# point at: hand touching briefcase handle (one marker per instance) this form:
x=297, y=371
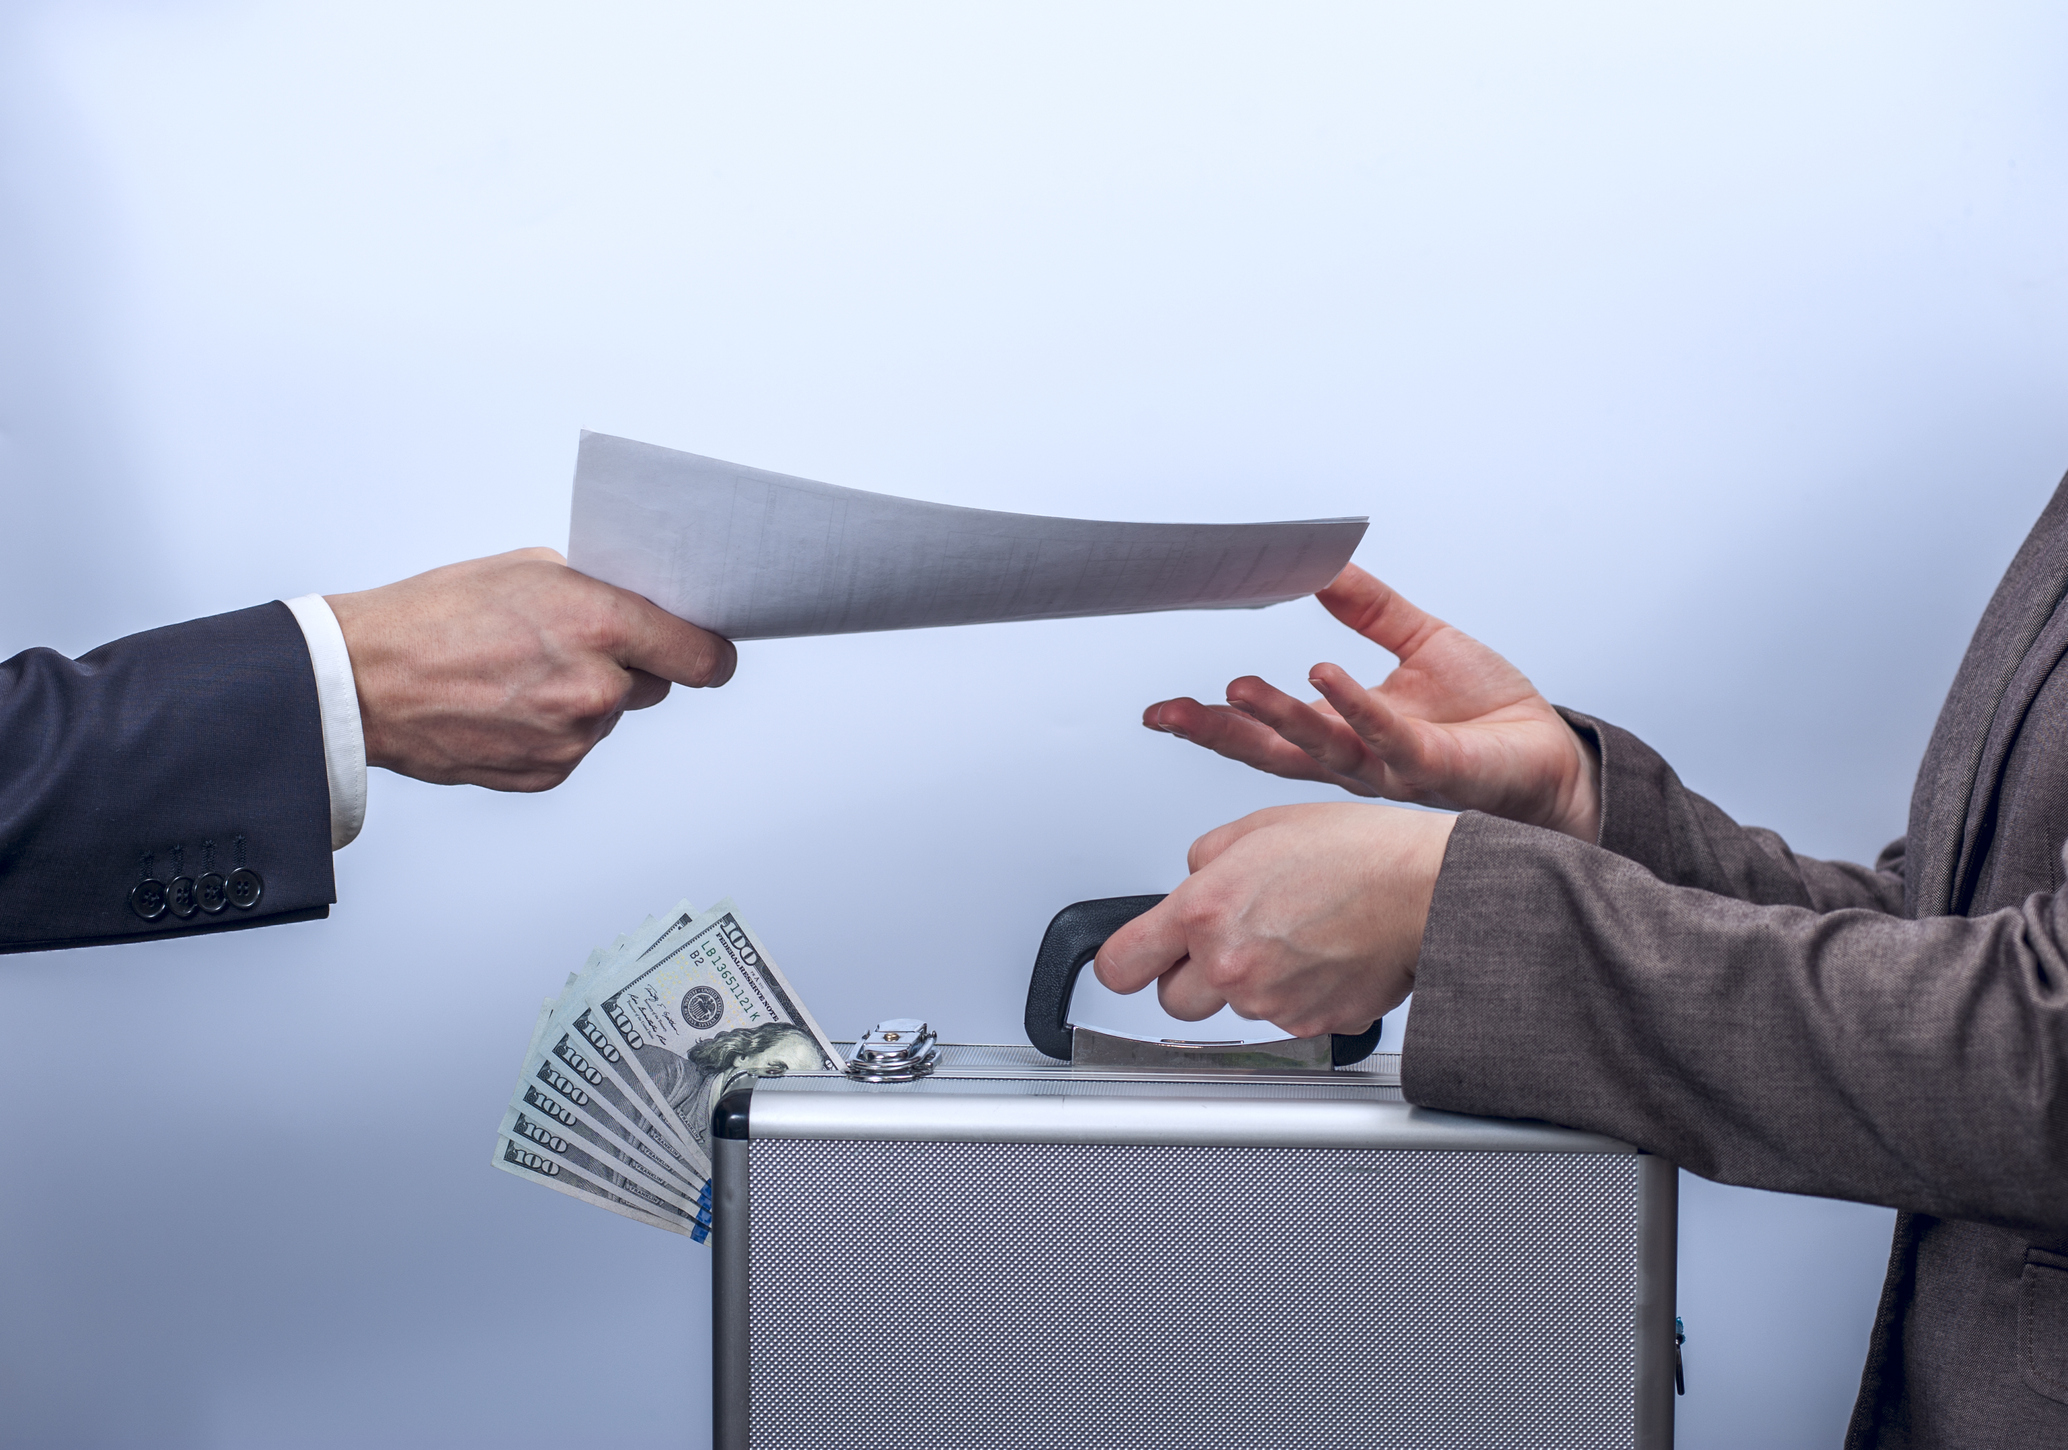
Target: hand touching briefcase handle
x=1074, y=937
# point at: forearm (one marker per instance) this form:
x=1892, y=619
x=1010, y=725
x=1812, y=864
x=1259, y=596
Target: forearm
x=178, y=754
x=1849, y=1054
x=1649, y=817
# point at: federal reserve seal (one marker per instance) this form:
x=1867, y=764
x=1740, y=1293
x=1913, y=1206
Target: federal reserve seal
x=702, y=1007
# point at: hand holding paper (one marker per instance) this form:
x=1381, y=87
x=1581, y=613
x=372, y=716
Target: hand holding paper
x=505, y=671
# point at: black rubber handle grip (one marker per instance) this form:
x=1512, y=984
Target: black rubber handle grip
x=1074, y=938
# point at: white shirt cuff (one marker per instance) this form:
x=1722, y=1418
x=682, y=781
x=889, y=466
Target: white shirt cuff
x=337, y=702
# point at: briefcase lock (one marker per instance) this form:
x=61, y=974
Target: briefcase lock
x=897, y=1049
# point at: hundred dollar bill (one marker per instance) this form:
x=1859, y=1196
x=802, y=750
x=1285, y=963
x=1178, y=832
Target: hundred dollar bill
x=527, y=1147
x=591, y=1036
x=571, y=1054
x=549, y=1090
x=564, y=1080
x=655, y=939
x=625, y=1066
x=599, y=1154
x=551, y=1086
x=537, y=1137
x=691, y=1023
x=539, y=1167
x=572, y=1044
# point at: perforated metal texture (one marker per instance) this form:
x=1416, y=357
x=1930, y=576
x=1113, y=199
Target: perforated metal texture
x=974, y=1296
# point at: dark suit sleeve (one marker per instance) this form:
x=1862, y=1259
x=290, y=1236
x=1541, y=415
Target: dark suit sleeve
x=1847, y=1052
x=181, y=756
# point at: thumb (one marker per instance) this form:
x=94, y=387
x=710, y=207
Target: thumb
x=1144, y=949
x=1374, y=610
x=657, y=642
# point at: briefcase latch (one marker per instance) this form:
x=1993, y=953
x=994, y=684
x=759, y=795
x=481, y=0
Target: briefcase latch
x=897, y=1049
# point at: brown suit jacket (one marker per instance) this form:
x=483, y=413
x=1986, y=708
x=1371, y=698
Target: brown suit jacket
x=1896, y=1035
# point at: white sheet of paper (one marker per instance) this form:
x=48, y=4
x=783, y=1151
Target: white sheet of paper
x=756, y=555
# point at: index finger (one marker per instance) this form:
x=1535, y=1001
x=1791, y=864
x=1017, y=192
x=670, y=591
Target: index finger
x=1376, y=611
x=1143, y=950
x=657, y=642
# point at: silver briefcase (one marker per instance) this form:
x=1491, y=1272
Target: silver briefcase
x=1180, y=1246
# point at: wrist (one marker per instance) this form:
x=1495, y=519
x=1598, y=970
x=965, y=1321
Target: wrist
x=1579, y=814
x=372, y=668
x=337, y=705
x=1408, y=876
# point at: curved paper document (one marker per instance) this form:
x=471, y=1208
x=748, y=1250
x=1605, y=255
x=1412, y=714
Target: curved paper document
x=755, y=555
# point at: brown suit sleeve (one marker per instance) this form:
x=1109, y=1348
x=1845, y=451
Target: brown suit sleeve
x=1648, y=816
x=1798, y=1037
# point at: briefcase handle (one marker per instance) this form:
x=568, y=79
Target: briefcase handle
x=1074, y=938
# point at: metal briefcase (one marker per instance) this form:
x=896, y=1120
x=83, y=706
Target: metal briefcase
x=1173, y=1245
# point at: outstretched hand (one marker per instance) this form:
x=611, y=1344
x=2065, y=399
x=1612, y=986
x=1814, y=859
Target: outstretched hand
x=1454, y=725
x=505, y=671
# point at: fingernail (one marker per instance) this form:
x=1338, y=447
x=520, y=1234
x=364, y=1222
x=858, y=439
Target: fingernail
x=1245, y=709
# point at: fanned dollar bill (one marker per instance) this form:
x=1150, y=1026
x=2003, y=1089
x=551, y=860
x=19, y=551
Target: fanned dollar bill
x=585, y=1048
x=569, y=1053
x=539, y=1112
x=542, y=1135
x=527, y=1162
x=528, y=1146
x=626, y=1066
x=556, y=1087
x=714, y=1009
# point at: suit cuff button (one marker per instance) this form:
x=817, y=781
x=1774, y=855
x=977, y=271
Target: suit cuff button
x=244, y=888
x=147, y=899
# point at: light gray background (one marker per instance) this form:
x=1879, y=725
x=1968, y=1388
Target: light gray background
x=1706, y=359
